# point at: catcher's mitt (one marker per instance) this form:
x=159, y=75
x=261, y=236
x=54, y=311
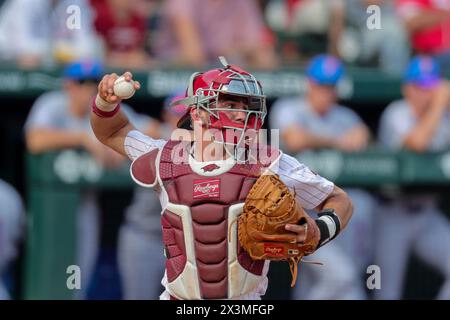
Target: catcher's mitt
x=269, y=206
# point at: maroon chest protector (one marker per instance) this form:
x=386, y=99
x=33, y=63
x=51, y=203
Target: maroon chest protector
x=209, y=199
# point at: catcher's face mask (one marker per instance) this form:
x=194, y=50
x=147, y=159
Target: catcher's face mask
x=233, y=100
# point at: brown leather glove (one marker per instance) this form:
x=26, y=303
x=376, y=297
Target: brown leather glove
x=269, y=206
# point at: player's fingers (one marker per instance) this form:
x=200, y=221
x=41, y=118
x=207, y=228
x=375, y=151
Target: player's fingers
x=281, y=237
x=105, y=83
x=102, y=86
x=137, y=85
x=110, y=84
x=293, y=227
x=128, y=76
x=299, y=230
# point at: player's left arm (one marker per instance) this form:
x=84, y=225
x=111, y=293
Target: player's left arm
x=334, y=214
x=312, y=191
x=340, y=202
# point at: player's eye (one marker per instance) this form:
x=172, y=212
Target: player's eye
x=228, y=106
x=238, y=106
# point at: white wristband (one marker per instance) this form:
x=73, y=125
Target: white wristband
x=104, y=105
x=330, y=224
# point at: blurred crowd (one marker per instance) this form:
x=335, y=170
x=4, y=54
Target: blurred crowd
x=411, y=41
x=255, y=33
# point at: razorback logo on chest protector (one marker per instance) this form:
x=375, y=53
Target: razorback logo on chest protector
x=202, y=262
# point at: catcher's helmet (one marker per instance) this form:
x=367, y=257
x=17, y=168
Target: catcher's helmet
x=206, y=88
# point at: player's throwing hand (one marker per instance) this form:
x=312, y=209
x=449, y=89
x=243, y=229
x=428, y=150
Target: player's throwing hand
x=106, y=87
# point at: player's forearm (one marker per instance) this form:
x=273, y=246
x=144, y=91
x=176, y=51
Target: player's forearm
x=112, y=131
x=421, y=135
x=355, y=139
x=42, y=140
x=342, y=205
x=361, y=133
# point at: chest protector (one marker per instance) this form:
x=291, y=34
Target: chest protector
x=203, y=257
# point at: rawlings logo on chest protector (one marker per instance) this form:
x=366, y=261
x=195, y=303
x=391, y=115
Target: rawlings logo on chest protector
x=206, y=188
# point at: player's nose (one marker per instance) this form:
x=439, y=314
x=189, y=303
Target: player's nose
x=239, y=116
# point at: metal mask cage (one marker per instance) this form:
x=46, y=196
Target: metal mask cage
x=240, y=86
x=231, y=82
x=256, y=106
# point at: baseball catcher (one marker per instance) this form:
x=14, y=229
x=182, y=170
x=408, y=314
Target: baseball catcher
x=215, y=171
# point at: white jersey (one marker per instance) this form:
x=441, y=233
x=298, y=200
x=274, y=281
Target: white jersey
x=309, y=188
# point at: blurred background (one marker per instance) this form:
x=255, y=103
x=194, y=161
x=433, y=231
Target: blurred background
x=356, y=88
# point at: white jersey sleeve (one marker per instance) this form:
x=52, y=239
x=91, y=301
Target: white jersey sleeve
x=137, y=143
x=309, y=188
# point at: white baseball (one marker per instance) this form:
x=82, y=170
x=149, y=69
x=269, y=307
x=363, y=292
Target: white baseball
x=124, y=89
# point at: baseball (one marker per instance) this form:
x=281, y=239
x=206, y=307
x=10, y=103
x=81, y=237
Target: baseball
x=124, y=89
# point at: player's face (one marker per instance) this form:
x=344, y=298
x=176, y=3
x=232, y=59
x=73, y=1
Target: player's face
x=419, y=97
x=321, y=97
x=237, y=105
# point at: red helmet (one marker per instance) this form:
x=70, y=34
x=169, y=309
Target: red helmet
x=206, y=88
